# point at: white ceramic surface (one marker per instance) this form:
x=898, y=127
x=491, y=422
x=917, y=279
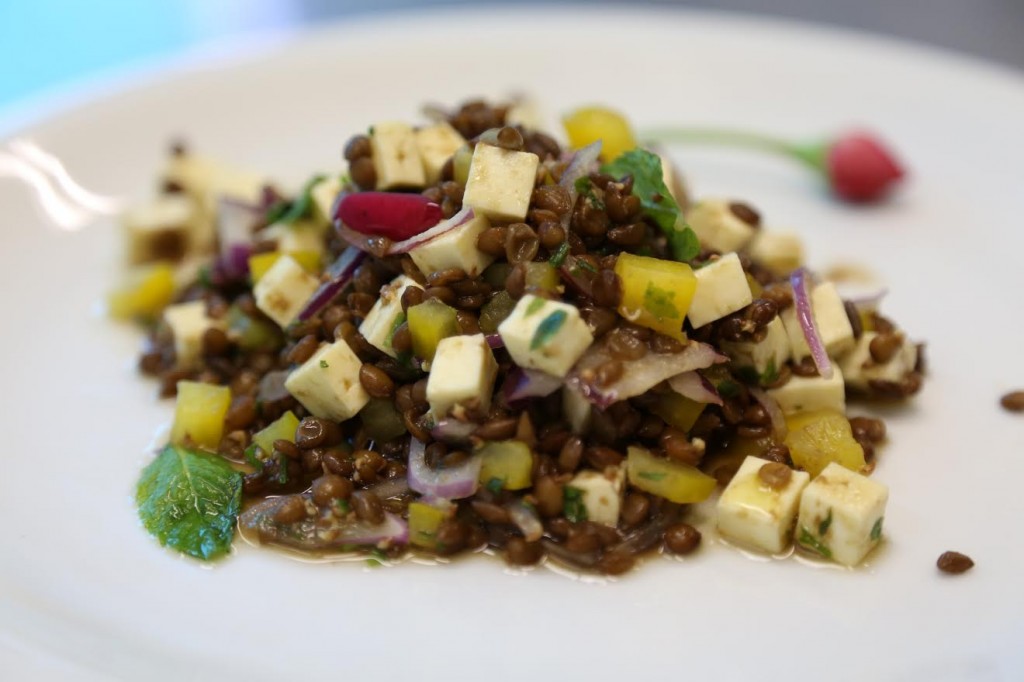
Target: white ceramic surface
x=83, y=588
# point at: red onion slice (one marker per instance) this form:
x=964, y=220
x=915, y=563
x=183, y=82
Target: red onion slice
x=394, y=215
x=394, y=529
x=583, y=163
x=526, y=520
x=640, y=375
x=805, y=316
x=453, y=431
x=771, y=407
x=392, y=487
x=457, y=220
x=696, y=387
x=453, y=483
x=235, y=222
x=495, y=341
x=521, y=384
x=338, y=274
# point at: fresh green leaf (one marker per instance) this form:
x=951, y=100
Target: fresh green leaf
x=323, y=364
x=547, y=329
x=558, y=257
x=190, y=501
x=810, y=542
x=572, y=504
x=342, y=507
x=728, y=388
x=534, y=307
x=659, y=302
x=252, y=457
x=770, y=374
x=747, y=374
x=301, y=207
x=586, y=188
x=825, y=524
x=652, y=475
x=657, y=202
x=876, y=530
x=204, y=278
x=496, y=485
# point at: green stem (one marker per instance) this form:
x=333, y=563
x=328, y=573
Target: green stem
x=812, y=155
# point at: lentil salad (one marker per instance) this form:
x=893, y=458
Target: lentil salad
x=482, y=338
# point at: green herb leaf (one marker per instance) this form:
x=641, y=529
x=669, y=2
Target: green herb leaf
x=572, y=504
x=302, y=206
x=659, y=302
x=586, y=188
x=189, y=501
x=496, y=485
x=534, y=307
x=825, y=524
x=652, y=475
x=656, y=200
x=810, y=542
x=547, y=329
x=746, y=374
x=251, y=456
x=876, y=530
x=728, y=388
x=558, y=257
x=770, y=374
x=342, y=506
x=323, y=364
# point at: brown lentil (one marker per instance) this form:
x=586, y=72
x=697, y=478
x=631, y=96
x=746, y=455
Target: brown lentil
x=678, y=447
x=489, y=512
x=551, y=235
x=519, y=552
x=401, y=342
x=357, y=147
x=338, y=461
x=331, y=487
x=601, y=457
x=492, y=240
x=451, y=537
x=497, y=429
x=287, y=448
x=872, y=430
x=303, y=350
x=215, y=342
x=291, y=510
x=363, y=173
x=885, y=346
x=775, y=475
x=607, y=289
x=571, y=455
x=1013, y=401
x=443, y=294
x=367, y=506
x=376, y=382
x=954, y=563
x=635, y=509
x=745, y=213
x=522, y=243
x=241, y=414
x=314, y=432
x=548, y=492
x=681, y=538
x=616, y=562
x=411, y=296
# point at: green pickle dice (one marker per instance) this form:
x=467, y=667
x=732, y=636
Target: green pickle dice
x=429, y=322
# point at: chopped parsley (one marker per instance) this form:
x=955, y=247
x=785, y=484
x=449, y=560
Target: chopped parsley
x=342, y=507
x=547, y=329
x=580, y=264
x=825, y=524
x=558, y=257
x=728, y=388
x=323, y=364
x=534, y=307
x=377, y=558
x=814, y=544
x=290, y=212
x=876, y=530
x=586, y=188
x=659, y=302
x=495, y=485
x=770, y=374
x=572, y=504
x=652, y=475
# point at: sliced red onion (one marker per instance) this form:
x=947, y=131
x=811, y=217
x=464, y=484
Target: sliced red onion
x=521, y=384
x=526, y=520
x=583, y=163
x=394, y=215
x=457, y=220
x=394, y=529
x=805, y=316
x=453, y=431
x=235, y=222
x=771, y=407
x=326, y=531
x=696, y=387
x=578, y=277
x=378, y=246
x=495, y=341
x=272, y=388
x=339, y=274
x=640, y=375
x=391, y=487
x=453, y=483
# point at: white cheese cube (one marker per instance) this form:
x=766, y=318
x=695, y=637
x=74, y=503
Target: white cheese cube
x=601, y=493
x=546, y=335
x=805, y=394
x=781, y=252
x=718, y=228
x=324, y=194
x=436, y=144
x=300, y=236
x=328, y=383
x=754, y=514
x=830, y=318
x=455, y=248
x=395, y=156
x=501, y=182
x=160, y=229
x=841, y=515
x=722, y=289
x=860, y=369
x=188, y=323
x=527, y=114
x=461, y=375
x=283, y=291
x=386, y=315
x=766, y=356
x=576, y=410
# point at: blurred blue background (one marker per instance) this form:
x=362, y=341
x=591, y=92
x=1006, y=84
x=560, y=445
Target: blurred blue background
x=49, y=43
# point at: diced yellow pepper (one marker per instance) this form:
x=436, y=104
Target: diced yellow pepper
x=429, y=322
x=542, y=275
x=755, y=286
x=261, y=262
x=656, y=293
x=199, y=414
x=461, y=161
x=676, y=482
x=677, y=410
x=509, y=461
x=253, y=333
x=590, y=124
x=424, y=520
x=145, y=295
x=283, y=428
x=816, y=439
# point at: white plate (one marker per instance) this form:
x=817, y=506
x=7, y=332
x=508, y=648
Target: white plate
x=82, y=584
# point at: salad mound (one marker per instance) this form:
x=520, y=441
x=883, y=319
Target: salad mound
x=478, y=337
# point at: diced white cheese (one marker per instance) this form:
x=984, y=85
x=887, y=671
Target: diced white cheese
x=526, y=113
x=546, y=335
x=501, y=182
x=718, y=227
x=324, y=193
x=328, y=383
x=830, y=318
x=805, y=394
x=455, y=248
x=301, y=236
x=722, y=289
x=436, y=144
x=766, y=356
x=386, y=315
x=461, y=375
x=860, y=369
x=576, y=410
x=188, y=323
x=841, y=515
x=754, y=514
x=160, y=229
x=284, y=289
x=601, y=493
x=396, y=159
x=779, y=251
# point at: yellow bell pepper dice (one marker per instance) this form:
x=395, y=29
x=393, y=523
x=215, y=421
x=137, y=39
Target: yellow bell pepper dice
x=677, y=410
x=818, y=438
x=676, y=482
x=509, y=461
x=145, y=294
x=424, y=520
x=656, y=293
x=590, y=124
x=199, y=414
x=429, y=323
x=261, y=262
x=283, y=428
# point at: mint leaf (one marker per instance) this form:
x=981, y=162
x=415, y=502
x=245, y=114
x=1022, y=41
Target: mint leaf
x=876, y=530
x=189, y=501
x=547, y=329
x=558, y=257
x=284, y=212
x=658, y=204
x=572, y=504
x=659, y=302
x=825, y=524
x=813, y=543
